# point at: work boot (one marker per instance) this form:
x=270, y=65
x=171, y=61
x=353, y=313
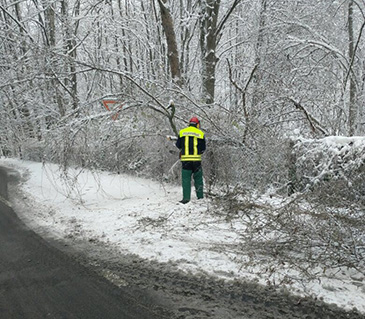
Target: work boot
x=184, y=201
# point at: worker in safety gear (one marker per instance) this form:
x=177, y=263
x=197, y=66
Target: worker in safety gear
x=191, y=142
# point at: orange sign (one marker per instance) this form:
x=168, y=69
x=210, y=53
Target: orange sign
x=109, y=105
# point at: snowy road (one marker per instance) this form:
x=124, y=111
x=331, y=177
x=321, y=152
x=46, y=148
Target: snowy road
x=39, y=281
x=160, y=286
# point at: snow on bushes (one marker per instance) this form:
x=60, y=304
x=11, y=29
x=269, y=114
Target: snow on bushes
x=332, y=168
x=319, y=230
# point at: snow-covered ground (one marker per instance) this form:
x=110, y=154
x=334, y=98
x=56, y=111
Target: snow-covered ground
x=143, y=217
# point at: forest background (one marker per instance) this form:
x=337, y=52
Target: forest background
x=270, y=81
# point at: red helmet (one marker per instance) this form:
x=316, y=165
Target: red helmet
x=194, y=120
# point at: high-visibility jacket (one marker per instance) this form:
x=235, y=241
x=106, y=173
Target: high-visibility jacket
x=191, y=142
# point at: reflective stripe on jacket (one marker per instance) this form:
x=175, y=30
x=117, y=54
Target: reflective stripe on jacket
x=191, y=141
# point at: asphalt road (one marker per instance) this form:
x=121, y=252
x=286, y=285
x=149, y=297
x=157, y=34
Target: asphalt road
x=39, y=281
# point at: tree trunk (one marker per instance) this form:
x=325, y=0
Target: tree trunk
x=210, y=33
x=27, y=124
x=172, y=51
x=208, y=44
x=258, y=53
x=70, y=48
x=292, y=169
x=352, y=87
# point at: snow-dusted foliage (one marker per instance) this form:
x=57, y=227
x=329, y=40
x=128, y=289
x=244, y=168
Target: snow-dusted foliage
x=311, y=238
x=332, y=168
x=320, y=228
x=136, y=143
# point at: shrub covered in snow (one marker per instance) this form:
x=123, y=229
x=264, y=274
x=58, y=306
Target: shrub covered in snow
x=319, y=230
x=332, y=168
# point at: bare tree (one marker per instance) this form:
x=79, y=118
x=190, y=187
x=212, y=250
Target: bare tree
x=210, y=34
x=172, y=52
x=70, y=34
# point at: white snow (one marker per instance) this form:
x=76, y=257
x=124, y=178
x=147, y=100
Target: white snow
x=143, y=217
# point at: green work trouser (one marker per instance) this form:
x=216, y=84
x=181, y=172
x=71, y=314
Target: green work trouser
x=189, y=169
